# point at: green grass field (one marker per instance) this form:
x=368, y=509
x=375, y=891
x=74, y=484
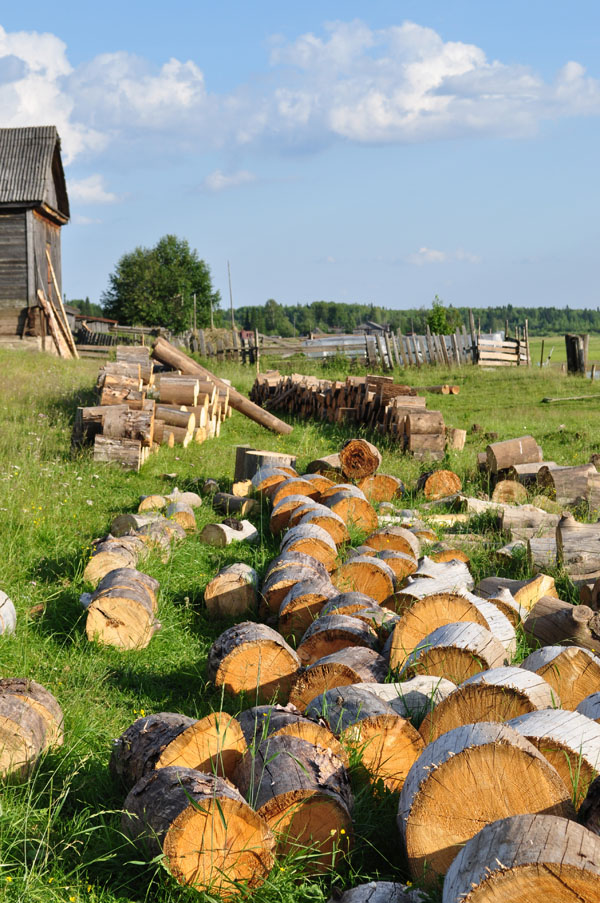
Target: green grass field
x=60, y=837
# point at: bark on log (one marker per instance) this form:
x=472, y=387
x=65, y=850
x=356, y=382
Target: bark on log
x=330, y=466
x=552, y=622
x=578, y=545
x=168, y=354
x=590, y=707
x=388, y=744
x=568, y=485
x=524, y=521
x=412, y=699
x=303, y=793
x=233, y=592
x=313, y=541
x=525, y=592
x=120, y=424
x=347, y=604
x=572, y=671
x=122, y=615
x=214, y=744
x=456, y=652
x=354, y=509
x=332, y=633
x=395, y=539
x=281, y=513
x=307, y=507
x=438, y=484
x=355, y=664
x=294, y=486
x=126, y=452
x=527, y=473
x=541, y=553
x=359, y=459
x=221, y=535
x=558, y=862
x=323, y=517
x=112, y=553
x=320, y=482
x=442, y=804
x=226, y=503
x=23, y=735
x=507, y=604
x=248, y=461
x=287, y=573
x=254, y=659
x=379, y=892
x=365, y=574
x=41, y=701
x=457, y=571
x=183, y=515
x=264, y=721
x=381, y=487
x=210, y=837
x=495, y=695
x=266, y=480
x=402, y=564
x=569, y=741
x=301, y=605
x=502, y=455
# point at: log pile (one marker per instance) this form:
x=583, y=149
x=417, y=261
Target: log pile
x=375, y=402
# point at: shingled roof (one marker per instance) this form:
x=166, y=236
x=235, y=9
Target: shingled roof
x=31, y=171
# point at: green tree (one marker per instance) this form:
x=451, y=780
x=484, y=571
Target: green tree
x=156, y=287
x=442, y=320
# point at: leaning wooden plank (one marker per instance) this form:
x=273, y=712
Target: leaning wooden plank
x=168, y=354
x=201, y=827
x=442, y=804
x=57, y=329
x=64, y=323
x=559, y=861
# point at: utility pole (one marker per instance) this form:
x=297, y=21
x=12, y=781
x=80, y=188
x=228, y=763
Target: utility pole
x=230, y=296
x=195, y=326
x=212, y=321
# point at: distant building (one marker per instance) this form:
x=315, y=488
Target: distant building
x=371, y=328
x=33, y=207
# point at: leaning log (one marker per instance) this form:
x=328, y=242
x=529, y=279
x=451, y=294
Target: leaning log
x=166, y=353
x=209, y=836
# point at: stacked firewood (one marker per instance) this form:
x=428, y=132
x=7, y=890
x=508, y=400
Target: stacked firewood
x=334, y=622
x=375, y=402
x=189, y=409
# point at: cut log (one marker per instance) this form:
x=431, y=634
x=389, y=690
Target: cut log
x=451, y=583
x=233, y=592
x=294, y=486
x=186, y=498
x=509, y=607
x=226, y=503
x=388, y=744
x=455, y=438
x=359, y=459
x=355, y=664
x=456, y=651
x=509, y=492
x=210, y=837
x=282, y=512
x=381, y=487
x=347, y=604
x=334, y=632
x=179, y=390
x=541, y=552
x=456, y=571
x=569, y=741
x=168, y=354
x=320, y=482
x=122, y=614
x=248, y=461
x=221, y=535
x=412, y=699
x=502, y=455
x=301, y=605
x=152, y=503
x=353, y=508
x=125, y=577
x=382, y=620
x=574, y=672
x=330, y=466
x=552, y=622
x=41, y=701
x=442, y=804
x=306, y=507
x=241, y=489
x=264, y=721
x=174, y=416
x=266, y=480
x=23, y=733
x=590, y=707
x=125, y=524
x=215, y=744
x=521, y=522
x=304, y=797
x=496, y=695
x=8, y=615
x=578, y=545
x=325, y=518
x=527, y=473
x=112, y=553
x=525, y=592
x=442, y=555
x=421, y=616
x=438, y=484
x=558, y=862
x=365, y=573
x=379, y=892
x=393, y=538
x=126, y=452
x=280, y=580
x=402, y=564
x=568, y=485
x=183, y=515
x=313, y=541
x=254, y=659
x=127, y=424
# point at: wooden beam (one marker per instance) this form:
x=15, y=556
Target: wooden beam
x=67, y=331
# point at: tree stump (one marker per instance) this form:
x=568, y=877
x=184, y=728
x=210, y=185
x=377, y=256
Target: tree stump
x=210, y=837
x=355, y=664
x=459, y=783
x=252, y=658
x=572, y=671
x=303, y=793
x=30, y=723
x=496, y=695
x=559, y=862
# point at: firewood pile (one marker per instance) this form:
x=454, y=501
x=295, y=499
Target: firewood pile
x=375, y=402
x=308, y=663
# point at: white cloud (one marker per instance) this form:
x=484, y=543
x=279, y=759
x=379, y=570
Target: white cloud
x=91, y=191
x=430, y=255
x=219, y=181
x=79, y=220
x=398, y=84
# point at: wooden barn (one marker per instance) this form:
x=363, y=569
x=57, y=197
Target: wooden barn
x=33, y=207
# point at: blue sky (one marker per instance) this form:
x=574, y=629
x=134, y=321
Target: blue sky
x=382, y=152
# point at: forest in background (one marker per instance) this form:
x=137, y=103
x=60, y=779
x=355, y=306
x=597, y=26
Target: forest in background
x=273, y=318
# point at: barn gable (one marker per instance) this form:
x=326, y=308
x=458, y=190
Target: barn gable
x=31, y=171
